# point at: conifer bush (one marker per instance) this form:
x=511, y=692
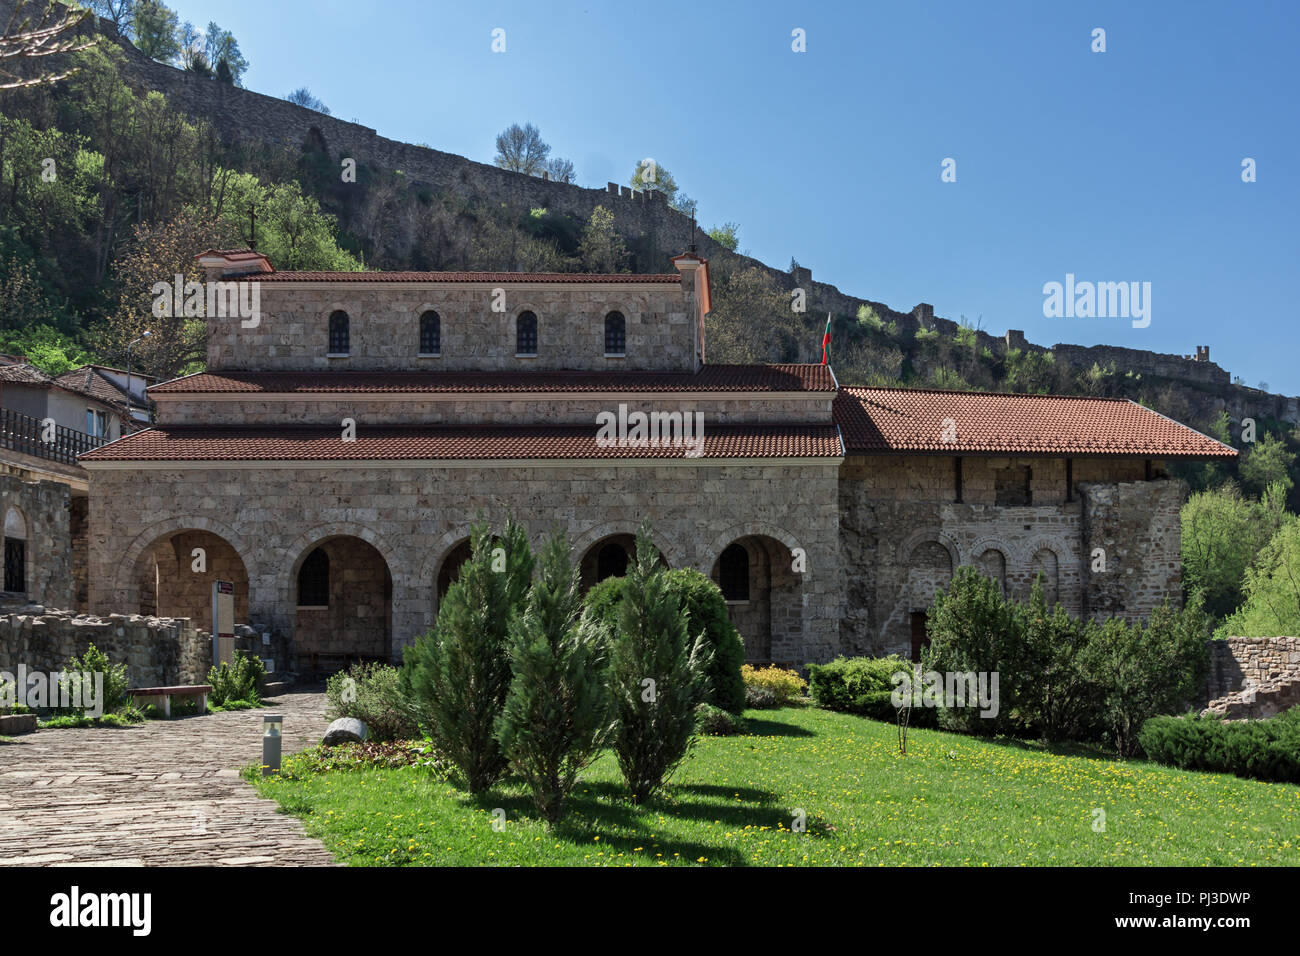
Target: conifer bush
x=557, y=714
x=457, y=676
x=657, y=674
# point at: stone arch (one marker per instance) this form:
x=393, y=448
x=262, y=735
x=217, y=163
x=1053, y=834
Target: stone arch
x=301, y=546
x=1033, y=558
x=588, y=559
x=989, y=556
x=16, y=556
x=924, y=535
x=667, y=546
x=770, y=615
x=356, y=620
x=125, y=593
x=753, y=529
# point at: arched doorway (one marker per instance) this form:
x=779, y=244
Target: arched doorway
x=343, y=599
x=449, y=571
x=757, y=579
x=609, y=557
x=174, y=576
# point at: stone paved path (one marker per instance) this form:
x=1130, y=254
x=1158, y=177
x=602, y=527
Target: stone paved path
x=162, y=793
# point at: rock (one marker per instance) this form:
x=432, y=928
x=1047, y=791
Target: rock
x=345, y=730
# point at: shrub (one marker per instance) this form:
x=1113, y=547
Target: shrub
x=760, y=698
x=388, y=755
x=716, y=722
x=1263, y=749
x=372, y=693
x=785, y=685
x=705, y=611
x=857, y=685
x=240, y=681
x=117, y=687
x=1142, y=672
x=656, y=676
x=457, y=675
x=557, y=713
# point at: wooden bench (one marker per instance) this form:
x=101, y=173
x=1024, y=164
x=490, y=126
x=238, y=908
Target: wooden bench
x=148, y=695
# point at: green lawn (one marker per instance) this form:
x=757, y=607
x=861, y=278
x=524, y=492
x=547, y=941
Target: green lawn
x=952, y=800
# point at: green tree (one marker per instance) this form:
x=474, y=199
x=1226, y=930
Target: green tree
x=725, y=235
x=457, y=675
x=655, y=676
x=650, y=175
x=157, y=31
x=521, y=149
x=1267, y=463
x=1222, y=532
x=1272, y=589
x=557, y=714
x=602, y=249
x=221, y=46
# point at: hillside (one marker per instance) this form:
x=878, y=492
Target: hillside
x=415, y=207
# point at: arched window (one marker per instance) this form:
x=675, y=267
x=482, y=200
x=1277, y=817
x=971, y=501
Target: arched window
x=733, y=573
x=314, y=580
x=611, y=562
x=15, y=552
x=526, y=334
x=430, y=334
x=340, y=339
x=615, y=334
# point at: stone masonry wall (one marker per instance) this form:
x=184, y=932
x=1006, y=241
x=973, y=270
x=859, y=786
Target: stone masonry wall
x=414, y=517
x=293, y=331
x=1136, y=526
x=483, y=409
x=45, y=509
x=903, y=535
x=1237, y=663
x=157, y=652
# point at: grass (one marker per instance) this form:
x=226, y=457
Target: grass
x=953, y=800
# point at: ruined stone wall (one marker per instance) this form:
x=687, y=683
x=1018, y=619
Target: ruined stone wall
x=484, y=410
x=1237, y=663
x=45, y=507
x=293, y=331
x=272, y=517
x=903, y=535
x=157, y=652
x=1136, y=526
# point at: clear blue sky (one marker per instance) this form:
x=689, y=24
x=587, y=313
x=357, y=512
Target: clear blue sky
x=1115, y=166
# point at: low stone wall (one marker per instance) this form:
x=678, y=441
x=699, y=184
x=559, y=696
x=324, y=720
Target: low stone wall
x=157, y=651
x=1239, y=663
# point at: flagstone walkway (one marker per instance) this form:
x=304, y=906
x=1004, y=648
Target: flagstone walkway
x=165, y=793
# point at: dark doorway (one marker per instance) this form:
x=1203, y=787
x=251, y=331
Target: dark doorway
x=919, y=638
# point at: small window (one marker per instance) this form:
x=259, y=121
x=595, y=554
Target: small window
x=340, y=338
x=615, y=334
x=733, y=573
x=96, y=423
x=430, y=334
x=611, y=562
x=526, y=334
x=314, y=580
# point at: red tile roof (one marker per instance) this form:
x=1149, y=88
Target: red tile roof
x=711, y=378
x=452, y=443
x=89, y=381
x=558, y=278
x=913, y=420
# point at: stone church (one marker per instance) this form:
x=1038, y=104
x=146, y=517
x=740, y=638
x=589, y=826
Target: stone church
x=331, y=459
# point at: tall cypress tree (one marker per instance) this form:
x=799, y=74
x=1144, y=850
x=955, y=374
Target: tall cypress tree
x=656, y=675
x=557, y=714
x=458, y=674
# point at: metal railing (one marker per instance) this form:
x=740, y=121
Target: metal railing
x=22, y=433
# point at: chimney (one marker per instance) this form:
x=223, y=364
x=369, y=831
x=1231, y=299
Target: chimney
x=695, y=283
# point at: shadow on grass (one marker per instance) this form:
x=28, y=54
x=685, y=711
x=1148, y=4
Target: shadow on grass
x=1061, y=749
x=765, y=727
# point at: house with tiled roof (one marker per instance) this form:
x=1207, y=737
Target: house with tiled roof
x=350, y=426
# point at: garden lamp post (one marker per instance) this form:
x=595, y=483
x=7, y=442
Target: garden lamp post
x=271, y=739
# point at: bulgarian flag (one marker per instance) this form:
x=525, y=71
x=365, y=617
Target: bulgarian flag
x=826, y=339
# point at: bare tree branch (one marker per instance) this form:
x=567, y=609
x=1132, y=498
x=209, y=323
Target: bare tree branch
x=23, y=40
